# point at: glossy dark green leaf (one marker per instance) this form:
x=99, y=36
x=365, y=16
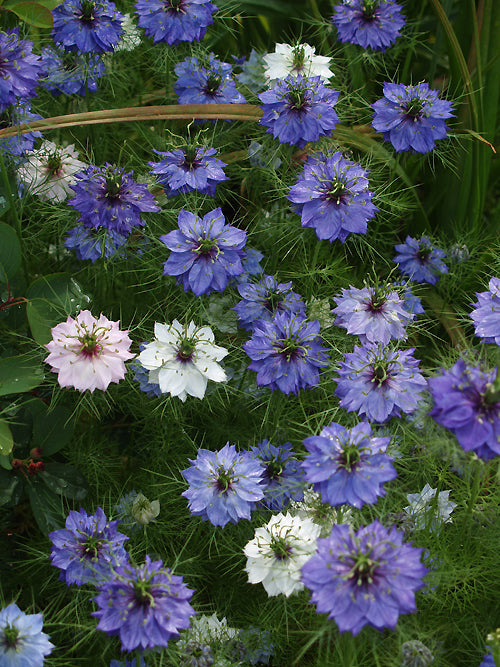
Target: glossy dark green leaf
x=19, y=374
x=31, y=13
x=10, y=487
x=47, y=507
x=52, y=430
x=64, y=480
x=6, y=440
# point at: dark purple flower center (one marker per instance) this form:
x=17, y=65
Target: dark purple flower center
x=350, y=457
x=423, y=254
x=175, y=6
x=290, y=348
x=191, y=159
x=207, y=247
x=414, y=108
x=336, y=192
x=363, y=569
x=143, y=596
x=274, y=469
x=10, y=636
x=54, y=163
x=280, y=548
x=87, y=10
x=369, y=8
x=224, y=480
x=380, y=373
x=273, y=301
x=298, y=99
x=92, y=547
x=212, y=85
x=377, y=300
x=114, y=180
x=186, y=349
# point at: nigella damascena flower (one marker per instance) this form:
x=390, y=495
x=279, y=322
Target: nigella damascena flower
x=374, y=314
x=88, y=353
x=486, y=313
x=145, y=606
x=348, y=466
x=109, y=197
x=175, y=21
x=299, y=109
x=368, y=23
x=88, y=548
x=20, y=69
x=379, y=383
x=283, y=476
x=186, y=169
x=206, y=252
x=182, y=359
x=286, y=353
x=367, y=577
x=429, y=510
x=416, y=654
x=262, y=300
x=411, y=117
x=22, y=143
x=278, y=551
x=88, y=26
x=467, y=402
x=207, y=81
x=294, y=60
x=50, y=170
x=224, y=486
x=332, y=196
x=420, y=260
x=93, y=243
x=22, y=642
x=71, y=72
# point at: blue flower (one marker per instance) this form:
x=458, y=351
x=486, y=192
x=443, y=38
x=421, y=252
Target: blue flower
x=71, y=72
x=374, y=314
x=88, y=548
x=94, y=243
x=368, y=23
x=411, y=302
x=87, y=26
x=286, y=353
x=283, y=477
x=22, y=642
x=262, y=300
x=488, y=661
x=127, y=663
x=175, y=21
x=299, y=109
x=420, y=260
x=379, y=383
x=467, y=402
x=486, y=313
x=348, y=466
x=145, y=606
x=206, y=82
x=15, y=115
x=411, y=117
x=225, y=485
x=188, y=169
x=368, y=577
x=20, y=69
x=332, y=197
x=205, y=252
x=141, y=375
x=108, y=197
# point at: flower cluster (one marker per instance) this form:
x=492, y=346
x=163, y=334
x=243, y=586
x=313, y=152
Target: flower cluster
x=374, y=314
x=486, y=313
x=207, y=82
x=299, y=109
x=87, y=26
x=205, y=253
x=263, y=300
x=348, y=466
x=182, y=359
x=224, y=486
x=188, y=169
x=278, y=551
x=371, y=24
x=145, y=606
x=88, y=548
x=368, y=577
x=294, y=60
x=467, y=402
x=420, y=260
x=22, y=642
x=88, y=353
x=379, y=382
x=332, y=197
x=286, y=353
x=412, y=118
x=175, y=21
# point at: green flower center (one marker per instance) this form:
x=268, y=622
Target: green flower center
x=191, y=157
x=274, y=469
x=92, y=547
x=363, y=569
x=378, y=299
x=413, y=108
x=369, y=9
x=273, y=301
x=90, y=346
x=88, y=7
x=424, y=253
x=380, y=374
x=142, y=590
x=280, y=548
x=212, y=85
x=224, y=479
x=298, y=56
x=176, y=5
x=186, y=348
x=350, y=457
x=297, y=99
x=10, y=634
x=54, y=163
x=288, y=347
x=335, y=191
x=113, y=183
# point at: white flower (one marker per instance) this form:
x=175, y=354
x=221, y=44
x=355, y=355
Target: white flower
x=144, y=510
x=278, y=552
x=425, y=512
x=182, y=359
x=49, y=171
x=296, y=60
x=208, y=629
x=320, y=513
x=131, y=37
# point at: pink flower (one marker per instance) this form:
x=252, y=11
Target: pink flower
x=88, y=353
